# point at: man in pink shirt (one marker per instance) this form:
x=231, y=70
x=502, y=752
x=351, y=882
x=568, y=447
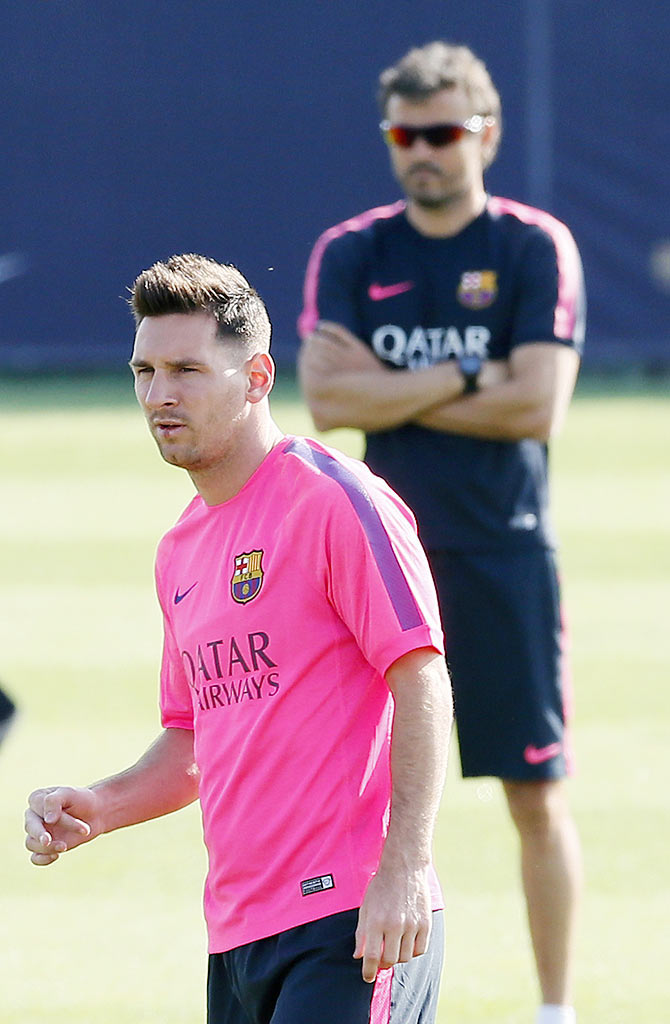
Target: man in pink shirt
x=304, y=694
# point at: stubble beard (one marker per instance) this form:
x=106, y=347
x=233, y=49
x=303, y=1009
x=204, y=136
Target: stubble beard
x=170, y=455
x=194, y=460
x=441, y=200
x=432, y=202
x=175, y=453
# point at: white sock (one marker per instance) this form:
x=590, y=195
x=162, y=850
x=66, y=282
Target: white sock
x=552, y=1014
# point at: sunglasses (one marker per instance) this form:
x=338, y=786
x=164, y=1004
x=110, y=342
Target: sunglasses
x=436, y=135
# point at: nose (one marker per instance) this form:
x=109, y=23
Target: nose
x=157, y=393
x=421, y=147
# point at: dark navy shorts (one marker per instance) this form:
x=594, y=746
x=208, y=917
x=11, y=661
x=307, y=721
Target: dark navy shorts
x=505, y=650
x=307, y=975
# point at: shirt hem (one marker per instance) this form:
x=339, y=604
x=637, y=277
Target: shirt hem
x=220, y=945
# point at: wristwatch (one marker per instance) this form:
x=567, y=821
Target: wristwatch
x=470, y=367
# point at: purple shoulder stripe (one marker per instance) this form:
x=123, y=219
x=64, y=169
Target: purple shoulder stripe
x=396, y=584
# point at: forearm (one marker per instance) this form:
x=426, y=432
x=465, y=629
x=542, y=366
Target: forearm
x=531, y=402
x=503, y=412
x=421, y=732
x=378, y=398
x=163, y=780
x=394, y=921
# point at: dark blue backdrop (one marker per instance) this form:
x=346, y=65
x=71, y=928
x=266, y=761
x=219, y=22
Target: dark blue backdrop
x=135, y=130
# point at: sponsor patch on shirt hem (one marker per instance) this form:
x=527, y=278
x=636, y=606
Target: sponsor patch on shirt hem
x=318, y=884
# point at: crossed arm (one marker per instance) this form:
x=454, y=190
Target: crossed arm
x=526, y=396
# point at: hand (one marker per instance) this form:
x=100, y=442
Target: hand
x=331, y=348
x=58, y=819
x=394, y=921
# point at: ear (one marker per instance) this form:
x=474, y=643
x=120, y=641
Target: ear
x=260, y=377
x=490, y=142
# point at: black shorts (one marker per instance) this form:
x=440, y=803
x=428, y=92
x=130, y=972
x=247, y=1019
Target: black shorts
x=307, y=975
x=505, y=650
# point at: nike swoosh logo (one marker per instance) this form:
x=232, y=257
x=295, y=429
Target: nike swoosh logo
x=538, y=755
x=377, y=292
x=180, y=597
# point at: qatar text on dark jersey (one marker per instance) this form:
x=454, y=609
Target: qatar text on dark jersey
x=513, y=276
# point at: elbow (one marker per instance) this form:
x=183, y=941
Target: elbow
x=318, y=399
x=324, y=414
x=535, y=424
x=547, y=424
x=540, y=420
x=541, y=429
x=327, y=408
x=322, y=420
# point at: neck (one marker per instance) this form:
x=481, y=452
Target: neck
x=449, y=217
x=225, y=479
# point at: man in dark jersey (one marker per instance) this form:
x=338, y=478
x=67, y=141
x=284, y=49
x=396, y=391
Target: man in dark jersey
x=448, y=326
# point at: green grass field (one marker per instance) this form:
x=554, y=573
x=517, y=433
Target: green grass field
x=113, y=933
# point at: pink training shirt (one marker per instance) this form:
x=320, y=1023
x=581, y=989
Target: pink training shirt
x=283, y=608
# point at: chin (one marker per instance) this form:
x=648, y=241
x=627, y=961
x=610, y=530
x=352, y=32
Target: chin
x=430, y=202
x=172, y=457
x=441, y=202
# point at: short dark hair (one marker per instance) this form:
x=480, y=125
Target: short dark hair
x=189, y=283
x=425, y=70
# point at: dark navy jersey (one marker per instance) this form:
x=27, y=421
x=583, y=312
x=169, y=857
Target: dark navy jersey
x=513, y=276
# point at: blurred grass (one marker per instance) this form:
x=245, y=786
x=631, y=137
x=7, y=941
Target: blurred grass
x=114, y=933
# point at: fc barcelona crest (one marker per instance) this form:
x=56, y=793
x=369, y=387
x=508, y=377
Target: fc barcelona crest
x=478, y=288
x=247, y=577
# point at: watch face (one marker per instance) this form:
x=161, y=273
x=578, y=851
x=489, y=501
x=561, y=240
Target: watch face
x=470, y=365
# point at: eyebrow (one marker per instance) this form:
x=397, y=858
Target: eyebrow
x=174, y=364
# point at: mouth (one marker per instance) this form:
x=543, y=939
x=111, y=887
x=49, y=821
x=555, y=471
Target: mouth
x=167, y=428
x=425, y=169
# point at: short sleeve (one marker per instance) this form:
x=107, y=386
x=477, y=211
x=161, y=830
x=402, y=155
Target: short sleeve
x=175, y=695
x=330, y=288
x=176, y=705
x=550, y=298
x=379, y=581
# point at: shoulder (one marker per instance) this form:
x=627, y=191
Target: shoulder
x=337, y=264
x=528, y=224
x=339, y=482
x=549, y=263
x=319, y=468
x=359, y=230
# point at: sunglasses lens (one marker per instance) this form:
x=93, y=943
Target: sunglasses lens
x=401, y=136
x=435, y=134
x=443, y=134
